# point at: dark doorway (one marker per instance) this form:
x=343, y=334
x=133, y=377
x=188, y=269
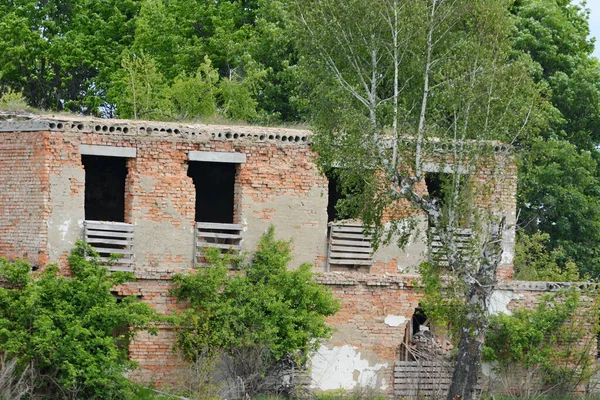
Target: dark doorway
x=419, y=319
x=104, y=188
x=214, y=184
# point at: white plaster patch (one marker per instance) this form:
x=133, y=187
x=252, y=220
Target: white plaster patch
x=508, y=244
x=343, y=368
x=394, y=320
x=64, y=229
x=499, y=301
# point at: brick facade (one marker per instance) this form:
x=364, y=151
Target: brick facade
x=24, y=179
x=43, y=183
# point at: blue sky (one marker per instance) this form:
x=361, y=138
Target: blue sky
x=594, y=6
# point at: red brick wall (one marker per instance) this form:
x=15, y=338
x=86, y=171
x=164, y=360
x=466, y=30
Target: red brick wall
x=24, y=179
x=366, y=300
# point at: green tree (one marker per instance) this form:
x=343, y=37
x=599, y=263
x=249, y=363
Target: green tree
x=196, y=95
x=559, y=194
x=242, y=39
x=533, y=261
x=391, y=79
x=555, y=34
x=61, y=54
x=65, y=328
x=140, y=90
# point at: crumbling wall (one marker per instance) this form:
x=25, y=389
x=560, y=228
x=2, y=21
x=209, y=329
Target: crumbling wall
x=369, y=330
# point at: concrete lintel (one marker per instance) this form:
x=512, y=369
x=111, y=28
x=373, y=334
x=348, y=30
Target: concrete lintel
x=447, y=168
x=110, y=151
x=217, y=156
x=24, y=126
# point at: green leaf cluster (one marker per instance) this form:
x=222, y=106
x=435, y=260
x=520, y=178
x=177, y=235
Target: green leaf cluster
x=70, y=329
x=231, y=57
x=61, y=54
x=263, y=305
x=140, y=91
x=558, y=337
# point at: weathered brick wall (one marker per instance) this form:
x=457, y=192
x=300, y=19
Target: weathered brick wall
x=369, y=329
x=158, y=363
x=24, y=197
x=278, y=184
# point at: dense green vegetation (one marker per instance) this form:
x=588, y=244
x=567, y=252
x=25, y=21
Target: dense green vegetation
x=547, y=350
x=264, y=312
x=558, y=187
x=67, y=336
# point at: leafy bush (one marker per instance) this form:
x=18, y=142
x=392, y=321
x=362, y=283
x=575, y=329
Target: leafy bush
x=13, y=101
x=553, y=346
x=262, y=306
x=65, y=327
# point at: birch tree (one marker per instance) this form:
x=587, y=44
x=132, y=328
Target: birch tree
x=394, y=80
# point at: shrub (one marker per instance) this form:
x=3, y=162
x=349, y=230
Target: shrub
x=12, y=101
x=548, y=350
x=262, y=309
x=65, y=327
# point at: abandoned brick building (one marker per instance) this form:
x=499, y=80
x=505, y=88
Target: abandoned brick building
x=158, y=193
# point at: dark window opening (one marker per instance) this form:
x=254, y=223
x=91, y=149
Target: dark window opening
x=435, y=185
x=104, y=188
x=598, y=345
x=440, y=187
x=214, y=184
x=335, y=195
x=348, y=195
x=419, y=319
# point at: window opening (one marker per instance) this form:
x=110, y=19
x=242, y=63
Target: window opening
x=439, y=187
x=419, y=319
x=214, y=182
x=337, y=194
x=104, y=206
x=348, y=244
x=104, y=187
x=435, y=185
x=215, y=187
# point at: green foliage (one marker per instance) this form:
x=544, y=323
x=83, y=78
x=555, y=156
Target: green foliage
x=263, y=306
x=61, y=54
x=533, y=261
x=140, y=89
x=195, y=96
x=559, y=193
x=558, y=176
x=12, y=101
x=558, y=337
x=65, y=327
x=242, y=39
